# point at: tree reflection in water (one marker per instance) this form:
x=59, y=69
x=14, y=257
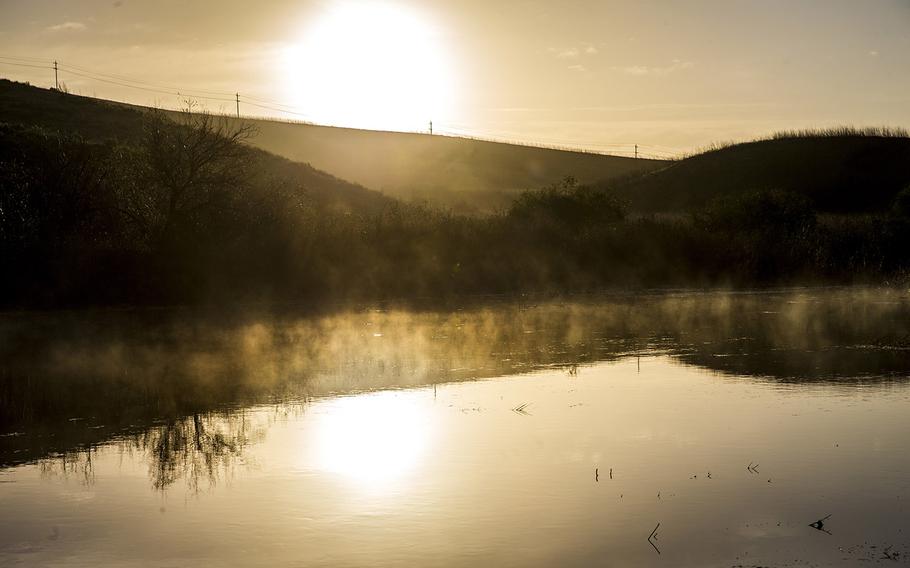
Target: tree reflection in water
x=70, y=464
x=197, y=448
x=201, y=449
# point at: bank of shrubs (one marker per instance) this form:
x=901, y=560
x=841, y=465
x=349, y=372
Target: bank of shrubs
x=187, y=213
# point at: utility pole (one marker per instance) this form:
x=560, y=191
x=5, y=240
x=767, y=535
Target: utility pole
x=238, y=105
x=636, y=151
x=56, y=81
x=431, y=128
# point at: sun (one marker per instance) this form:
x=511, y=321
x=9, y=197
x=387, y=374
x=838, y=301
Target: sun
x=373, y=65
x=373, y=438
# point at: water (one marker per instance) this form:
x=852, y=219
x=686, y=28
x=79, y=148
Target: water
x=506, y=434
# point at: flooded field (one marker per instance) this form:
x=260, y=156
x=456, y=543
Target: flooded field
x=683, y=429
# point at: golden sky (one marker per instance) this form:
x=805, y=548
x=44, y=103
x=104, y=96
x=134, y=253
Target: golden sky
x=671, y=76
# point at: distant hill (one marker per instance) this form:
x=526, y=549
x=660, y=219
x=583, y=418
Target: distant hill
x=841, y=171
x=440, y=169
x=467, y=175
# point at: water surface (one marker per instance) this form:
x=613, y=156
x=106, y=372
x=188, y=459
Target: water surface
x=510, y=434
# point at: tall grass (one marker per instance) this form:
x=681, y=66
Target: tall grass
x=843, y=131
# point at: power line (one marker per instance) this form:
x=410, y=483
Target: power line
x=627, y=149
x=126, y=81
x=129, y=79
x=116, y=79
x=271, y=106
x=25, y=65
x=564, y=141
x=31, y=59
x=148, y=89
x=266, y=101
x=550, y=146
x=452, y=128
x=275, y=109
x=614, y=144
x=112, y=76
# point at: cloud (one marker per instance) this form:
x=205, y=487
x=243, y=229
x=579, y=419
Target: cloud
x=873, y=53
x=633, y=70
x=580, y=68
x=565, y=53
x=573, y=52
x=66, y=27
x=642, y=70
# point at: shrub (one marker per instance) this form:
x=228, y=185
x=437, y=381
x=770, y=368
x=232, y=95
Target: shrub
x=568, y=205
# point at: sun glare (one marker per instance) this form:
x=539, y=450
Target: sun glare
x=370, y=65
x=372, y=438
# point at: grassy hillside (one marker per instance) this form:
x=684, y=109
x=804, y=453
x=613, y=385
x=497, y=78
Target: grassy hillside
x=466, y=175
x=839, y=171
x=455, y=172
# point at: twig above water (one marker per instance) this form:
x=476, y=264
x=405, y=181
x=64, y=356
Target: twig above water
x=820, y=524
x=652, y=537
x=521, y=408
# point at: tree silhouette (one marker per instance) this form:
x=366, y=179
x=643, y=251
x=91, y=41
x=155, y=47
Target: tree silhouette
x=193, y=171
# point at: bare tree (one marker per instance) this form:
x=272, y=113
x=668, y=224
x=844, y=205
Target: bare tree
x=193, y=168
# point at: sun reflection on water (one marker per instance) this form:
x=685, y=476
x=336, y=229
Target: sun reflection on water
x=375, y=438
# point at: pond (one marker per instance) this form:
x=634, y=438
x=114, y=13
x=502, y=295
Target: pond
x=677, y=429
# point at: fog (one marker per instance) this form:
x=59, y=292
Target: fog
x=127, y=369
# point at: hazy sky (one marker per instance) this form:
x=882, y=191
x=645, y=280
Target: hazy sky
x=669, y=75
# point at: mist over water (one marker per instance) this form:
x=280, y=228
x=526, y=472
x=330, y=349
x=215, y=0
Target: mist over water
x=508, y=432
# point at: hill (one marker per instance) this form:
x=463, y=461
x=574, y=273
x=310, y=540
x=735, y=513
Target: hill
x=466, y=175
x=99, y=122
x=839, y=171
x=461, y=173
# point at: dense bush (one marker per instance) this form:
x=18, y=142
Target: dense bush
x=568, y=206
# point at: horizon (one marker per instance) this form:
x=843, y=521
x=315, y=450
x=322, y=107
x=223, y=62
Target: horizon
x=565, y=83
